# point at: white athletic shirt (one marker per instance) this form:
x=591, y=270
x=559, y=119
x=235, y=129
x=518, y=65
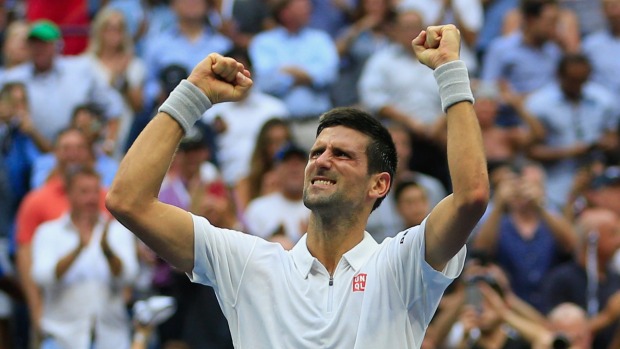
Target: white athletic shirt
x=381, y=295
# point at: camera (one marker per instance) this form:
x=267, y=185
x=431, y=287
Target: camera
x=560, y=342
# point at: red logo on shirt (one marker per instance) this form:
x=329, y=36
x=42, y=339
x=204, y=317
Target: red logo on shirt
x=359, y=283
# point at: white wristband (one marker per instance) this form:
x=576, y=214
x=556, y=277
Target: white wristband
x=453, y=81
x=186, y=104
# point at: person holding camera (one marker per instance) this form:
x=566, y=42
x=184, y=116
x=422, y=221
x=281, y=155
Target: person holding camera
x=525, y=237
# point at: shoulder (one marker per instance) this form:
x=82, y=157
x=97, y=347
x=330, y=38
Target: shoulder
x=595, y=40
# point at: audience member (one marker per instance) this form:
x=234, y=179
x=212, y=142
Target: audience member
x=602, y=45
x=567, y=33
x=273, y=135
x=411, y=202
x=88, y=120
x=385, y=89
x=83, y=264
x=57, y=84
x=492, y=24
x=580, y=121
x=47, y=203
x=520, y=224
x=356, y=43
x=331, y=16
x=588, y=281
x=112, y=53
x=15, y=48
x=504, y=144
x=243, y=19
x=525, y=59
x=284, y=208
x=185, y=44
x=297, y=64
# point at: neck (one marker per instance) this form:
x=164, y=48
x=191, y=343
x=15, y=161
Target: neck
x=615, y=29
x=331, y=237
x=191, y=28
x=531, y=40
x=84, y=220
x=110, y=51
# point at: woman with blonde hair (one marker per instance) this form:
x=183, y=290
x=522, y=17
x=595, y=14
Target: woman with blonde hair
x=111, y=49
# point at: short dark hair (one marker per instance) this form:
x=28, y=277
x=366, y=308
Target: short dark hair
x=400, y=187
x=534, y=8
x=570, y=59
x=381, y=151
x=72, y=172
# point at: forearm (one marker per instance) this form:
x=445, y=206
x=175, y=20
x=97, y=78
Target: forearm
x=486, y=239
x=66, y=262
x=416, y=127
x=42, y=143
x=545, y=153
x=114, y=263
x=561, y=230
x=537, y=131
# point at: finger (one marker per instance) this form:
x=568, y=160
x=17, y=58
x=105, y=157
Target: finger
x=418, y=42
x=243, y=81
x=227, y=68
x=433, y=36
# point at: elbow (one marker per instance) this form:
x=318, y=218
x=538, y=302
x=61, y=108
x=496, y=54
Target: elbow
x=474, y=203
x=120, y=206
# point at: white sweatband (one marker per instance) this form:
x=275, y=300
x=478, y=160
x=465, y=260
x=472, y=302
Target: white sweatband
x=453, y=81
x=186, y=104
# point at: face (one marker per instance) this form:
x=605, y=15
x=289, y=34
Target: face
x=607, y=197
x=573, y=79
x=277, y=136
x=375, y=7
x=402, y=142
x=42, y=53
x=296, y=14
x=576, y=330
x=113, y=30
x=15, y=46
x=612, y=12
x=544, y=27
x=190, y=9
x=337, y=172
x=190, y=160
x=291, y=175
x=412, y=205
x=408, y=25
x=486, y=110
x=84, y=194
x=72, y=149
x=609, y=237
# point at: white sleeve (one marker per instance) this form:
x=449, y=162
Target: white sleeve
x=220, y=257
x=45, y=256
x=420, y=285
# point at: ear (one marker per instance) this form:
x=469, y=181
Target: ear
x=380, y=185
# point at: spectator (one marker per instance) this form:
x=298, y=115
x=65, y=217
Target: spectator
x=283, y=209
x=237, y=125
x=385, y=89
x=273, y=135
x=83, y=263
x=602, y=45
x=411, y=202
x=242, y=20
x=588, y=281
x=580, y=122
x=356, y=43
x=504, y=144
x=494, y=13
x=57, y=84
x=331, y=16
x=526, y=59
x=520, y=224
x=88, y=120
x=15, y=48
x=567, y=33
x=111, y=50
x=47, y=203
x=296, y=64
x=185, y=44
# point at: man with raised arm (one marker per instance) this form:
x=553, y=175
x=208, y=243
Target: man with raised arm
x=337, y=287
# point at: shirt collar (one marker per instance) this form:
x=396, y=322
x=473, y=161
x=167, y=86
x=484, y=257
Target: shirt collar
x=356, y=257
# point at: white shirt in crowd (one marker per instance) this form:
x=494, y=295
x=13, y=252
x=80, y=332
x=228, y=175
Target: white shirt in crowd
x=265, y=214
x=88, y=298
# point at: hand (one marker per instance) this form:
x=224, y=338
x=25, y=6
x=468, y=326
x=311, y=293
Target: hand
x=301, y=76
x=221, y=78
x=612, y=308
x=437, y=45
x=505, y=191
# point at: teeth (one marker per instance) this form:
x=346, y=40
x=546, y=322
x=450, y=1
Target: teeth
x=323, y=182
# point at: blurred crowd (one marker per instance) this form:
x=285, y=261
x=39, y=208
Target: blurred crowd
x=79, y=80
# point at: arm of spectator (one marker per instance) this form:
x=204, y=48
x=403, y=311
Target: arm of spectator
x=29, y=287
x=122, y=251
x=114, y=263
x=419, y=130
x=450, y=307
x=534, y=130
x=136, y=79
x=28, y=128
x=536, y=334
x=488, y=234
x=545, y=153
x=608, y=315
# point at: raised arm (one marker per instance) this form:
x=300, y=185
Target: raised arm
x=133, y=197
x=452, y=220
